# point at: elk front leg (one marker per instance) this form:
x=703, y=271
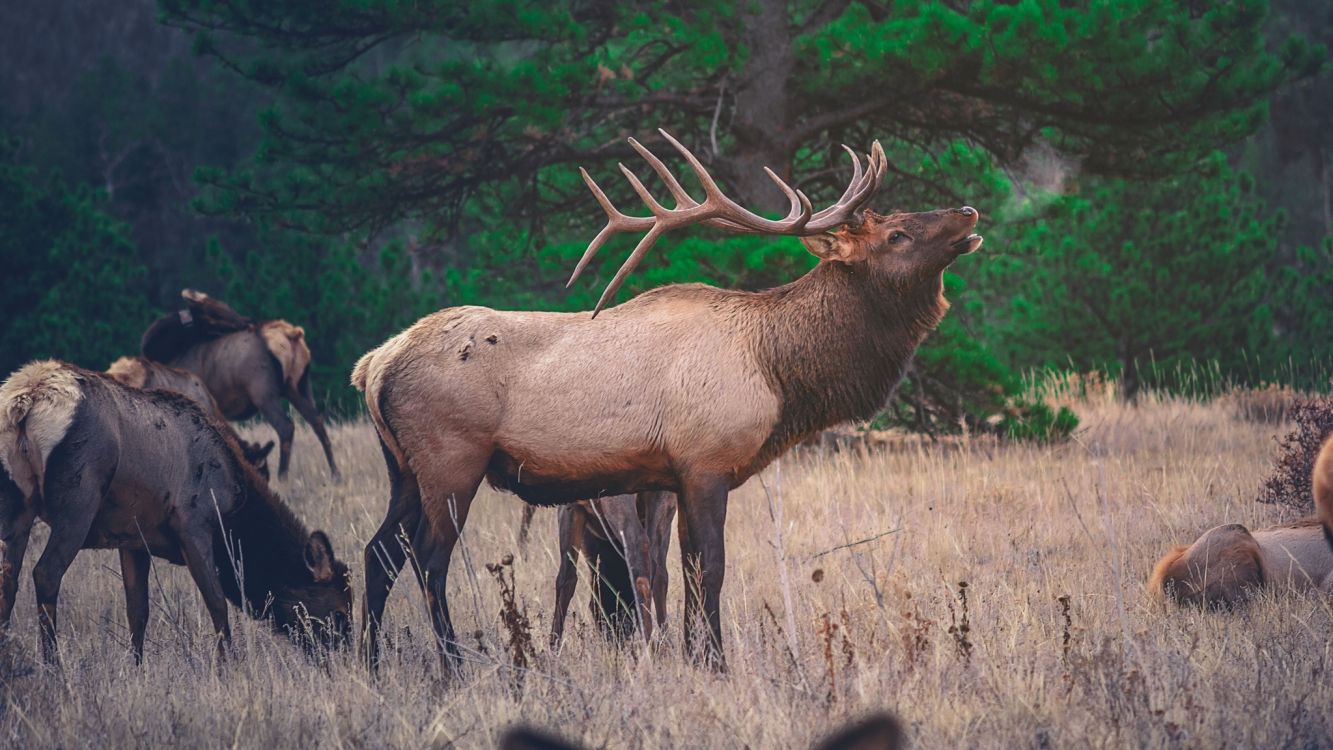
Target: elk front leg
x=197, y=548
x=703, y=516
x=303, y=398
x=134, y=567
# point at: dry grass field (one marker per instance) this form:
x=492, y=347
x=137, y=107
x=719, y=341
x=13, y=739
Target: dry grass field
x=1056, y=646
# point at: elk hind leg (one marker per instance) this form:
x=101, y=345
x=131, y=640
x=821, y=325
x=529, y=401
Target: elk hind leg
x=447, y=484
x=387, y=552
x=303, y=398
x=134, y=567
x=16, y=519
x=273, y=411
x=73, y=497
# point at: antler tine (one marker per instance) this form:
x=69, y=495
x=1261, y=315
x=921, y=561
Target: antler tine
x=628, y=266
x=683, y=199
x=656, y=208
x=717, y=210
x=728, y=210
x=615, y=222
x=861, y=189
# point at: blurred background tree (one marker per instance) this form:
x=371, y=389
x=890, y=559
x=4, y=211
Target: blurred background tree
x=1158, y=275
x=398, y=157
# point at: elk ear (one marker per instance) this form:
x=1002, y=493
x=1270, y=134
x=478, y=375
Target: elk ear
x=526, y=738
x=319, y=557
x=841, y=246
x=259, y=452
x=879, y=731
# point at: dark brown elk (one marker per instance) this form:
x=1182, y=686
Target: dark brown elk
x=141, y=372
x=875, y=732
x=625, y=540
x=686, y=388
x=249, y=366
x=148, y=473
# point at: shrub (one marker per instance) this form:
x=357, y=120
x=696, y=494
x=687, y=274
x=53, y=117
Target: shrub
x=1289, y=482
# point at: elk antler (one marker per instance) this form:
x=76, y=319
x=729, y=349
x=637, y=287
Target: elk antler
x=717, y=210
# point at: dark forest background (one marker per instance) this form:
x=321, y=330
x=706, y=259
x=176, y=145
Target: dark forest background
x=1153, y=176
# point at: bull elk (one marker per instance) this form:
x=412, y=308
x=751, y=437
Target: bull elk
x=625, y=540
x=149, y=474
x=249, y=366
x=686, y=388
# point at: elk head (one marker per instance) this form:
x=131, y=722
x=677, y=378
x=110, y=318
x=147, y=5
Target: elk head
x=320, y=611
x=899, y=249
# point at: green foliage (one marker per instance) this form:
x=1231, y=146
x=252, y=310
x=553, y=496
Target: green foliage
x=71, y=286
x=1127, y=273
x=1305, y=315
x=341, y=299
x=1037, y=422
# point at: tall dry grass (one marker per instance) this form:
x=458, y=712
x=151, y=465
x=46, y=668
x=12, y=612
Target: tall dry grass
x=1057, y=645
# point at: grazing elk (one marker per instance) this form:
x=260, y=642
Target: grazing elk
x=874, y=732
x=248, y=366
x=625, y=540
x=686, y=388
x=141, y=372
x=1229, y=563
x=148, y=473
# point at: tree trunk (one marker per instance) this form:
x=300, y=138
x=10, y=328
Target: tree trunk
x=762, y=124
x=1129, y=375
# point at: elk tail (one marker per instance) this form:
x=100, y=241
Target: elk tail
x=369, y=376
x=1321, y=483
x=37, y=406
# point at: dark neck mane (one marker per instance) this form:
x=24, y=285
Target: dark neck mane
x=267, y=544
x=835, y=343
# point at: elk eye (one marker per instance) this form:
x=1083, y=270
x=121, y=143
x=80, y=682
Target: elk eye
x=897, y=237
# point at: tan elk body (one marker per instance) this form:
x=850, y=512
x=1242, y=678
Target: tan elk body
x=1227, y=564
x=688, y=389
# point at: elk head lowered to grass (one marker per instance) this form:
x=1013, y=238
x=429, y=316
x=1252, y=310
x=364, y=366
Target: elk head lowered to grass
x=148, y=473
x=249, y=366
x=686, y=388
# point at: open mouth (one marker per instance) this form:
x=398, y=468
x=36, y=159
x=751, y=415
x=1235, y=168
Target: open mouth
x=967, y=244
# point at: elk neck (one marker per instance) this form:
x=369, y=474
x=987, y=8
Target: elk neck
x=835, y=343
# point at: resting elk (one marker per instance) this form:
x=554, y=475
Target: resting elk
x=686, y=388
x=1228, y=564
x=149, y=474
x=249, y=366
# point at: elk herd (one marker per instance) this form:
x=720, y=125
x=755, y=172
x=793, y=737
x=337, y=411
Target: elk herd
x=626, y=418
